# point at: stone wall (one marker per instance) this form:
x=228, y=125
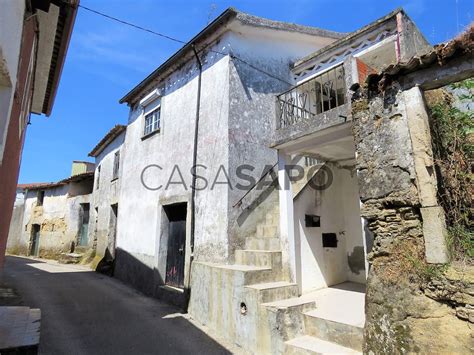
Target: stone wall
x=411, y=306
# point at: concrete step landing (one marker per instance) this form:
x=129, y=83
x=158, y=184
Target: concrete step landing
x=344, y=334
x=311, y=345
x=240, y=274
x=273, y=291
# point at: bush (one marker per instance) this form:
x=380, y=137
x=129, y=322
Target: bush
x=453, y=149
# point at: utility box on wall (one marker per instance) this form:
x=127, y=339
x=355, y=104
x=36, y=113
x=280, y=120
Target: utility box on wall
x=312, y=220
x=329, y=240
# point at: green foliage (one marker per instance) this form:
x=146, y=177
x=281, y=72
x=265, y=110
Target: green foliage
x=426, y=272
x=461, y=239
x=453, y=149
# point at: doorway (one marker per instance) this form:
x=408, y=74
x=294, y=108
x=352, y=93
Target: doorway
x=84, y=224
x=35, y=235
x=176, y=245
x=111, y=242
x=333, y=251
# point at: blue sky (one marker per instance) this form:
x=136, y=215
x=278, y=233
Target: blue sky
x=107, y=59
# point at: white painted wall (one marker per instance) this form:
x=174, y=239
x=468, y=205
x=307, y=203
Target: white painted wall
x=16, y=222
x=252, y=104
x=105, y=195
x=139, y=209
x=11, y=29
x=338, y=207
x=236, y=124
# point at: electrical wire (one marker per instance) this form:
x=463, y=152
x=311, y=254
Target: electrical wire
x=131, y=24
x=233, y=56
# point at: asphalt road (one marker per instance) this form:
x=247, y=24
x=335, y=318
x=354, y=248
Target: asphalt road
x=83, y=312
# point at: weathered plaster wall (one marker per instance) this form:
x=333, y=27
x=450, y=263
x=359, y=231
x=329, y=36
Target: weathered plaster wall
x=236, y=120
x=252, y=108
x=58, y=217
x=399, y=317
x=103, y=196
x=16, y=224
x=412, y=41
x=138, y=240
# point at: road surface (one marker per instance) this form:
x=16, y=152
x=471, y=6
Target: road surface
x=83, y=312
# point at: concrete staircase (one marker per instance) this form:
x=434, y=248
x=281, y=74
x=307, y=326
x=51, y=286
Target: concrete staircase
x=335, y=325
x=253, y=304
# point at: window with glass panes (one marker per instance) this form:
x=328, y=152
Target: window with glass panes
x=152, y=121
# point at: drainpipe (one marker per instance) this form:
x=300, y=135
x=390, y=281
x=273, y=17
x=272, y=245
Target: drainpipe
x=193, y=183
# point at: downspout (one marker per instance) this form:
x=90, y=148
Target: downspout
x=193, y=182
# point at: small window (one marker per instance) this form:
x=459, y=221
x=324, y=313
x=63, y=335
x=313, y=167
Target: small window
x=152, y=121
x=98, y=178
x=40, y=198
x=115, y=174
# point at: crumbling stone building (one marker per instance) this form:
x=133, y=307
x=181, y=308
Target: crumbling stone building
x=53, y=218
x=409, y=307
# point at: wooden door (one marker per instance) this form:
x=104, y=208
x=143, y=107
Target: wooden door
x=176, y=245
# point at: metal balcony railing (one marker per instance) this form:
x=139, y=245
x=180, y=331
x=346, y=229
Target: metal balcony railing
x=311, y=98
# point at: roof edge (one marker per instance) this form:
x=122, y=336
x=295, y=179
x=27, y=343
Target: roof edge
x=349, y=37
x=228, y=14
x=56, y=68
x=107, y=139
x=50, y=185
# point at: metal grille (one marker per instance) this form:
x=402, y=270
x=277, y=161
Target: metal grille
x=313, y=97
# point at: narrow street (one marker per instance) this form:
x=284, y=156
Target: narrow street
x=87, y=313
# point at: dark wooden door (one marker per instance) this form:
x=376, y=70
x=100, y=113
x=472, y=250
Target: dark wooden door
x=176, y=246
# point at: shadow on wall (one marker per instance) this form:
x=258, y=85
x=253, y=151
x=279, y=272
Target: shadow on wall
x=146, y=279
x=119, y=317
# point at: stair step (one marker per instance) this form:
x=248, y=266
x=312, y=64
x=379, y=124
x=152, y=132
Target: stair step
x=270, y=244
x=267, y=231
x=311, y=345
x=272, y=218
x=348, y=335
x=272, y=291
x=258, y=258
x=19, y=330
x=300, y=303
x=245, y=274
